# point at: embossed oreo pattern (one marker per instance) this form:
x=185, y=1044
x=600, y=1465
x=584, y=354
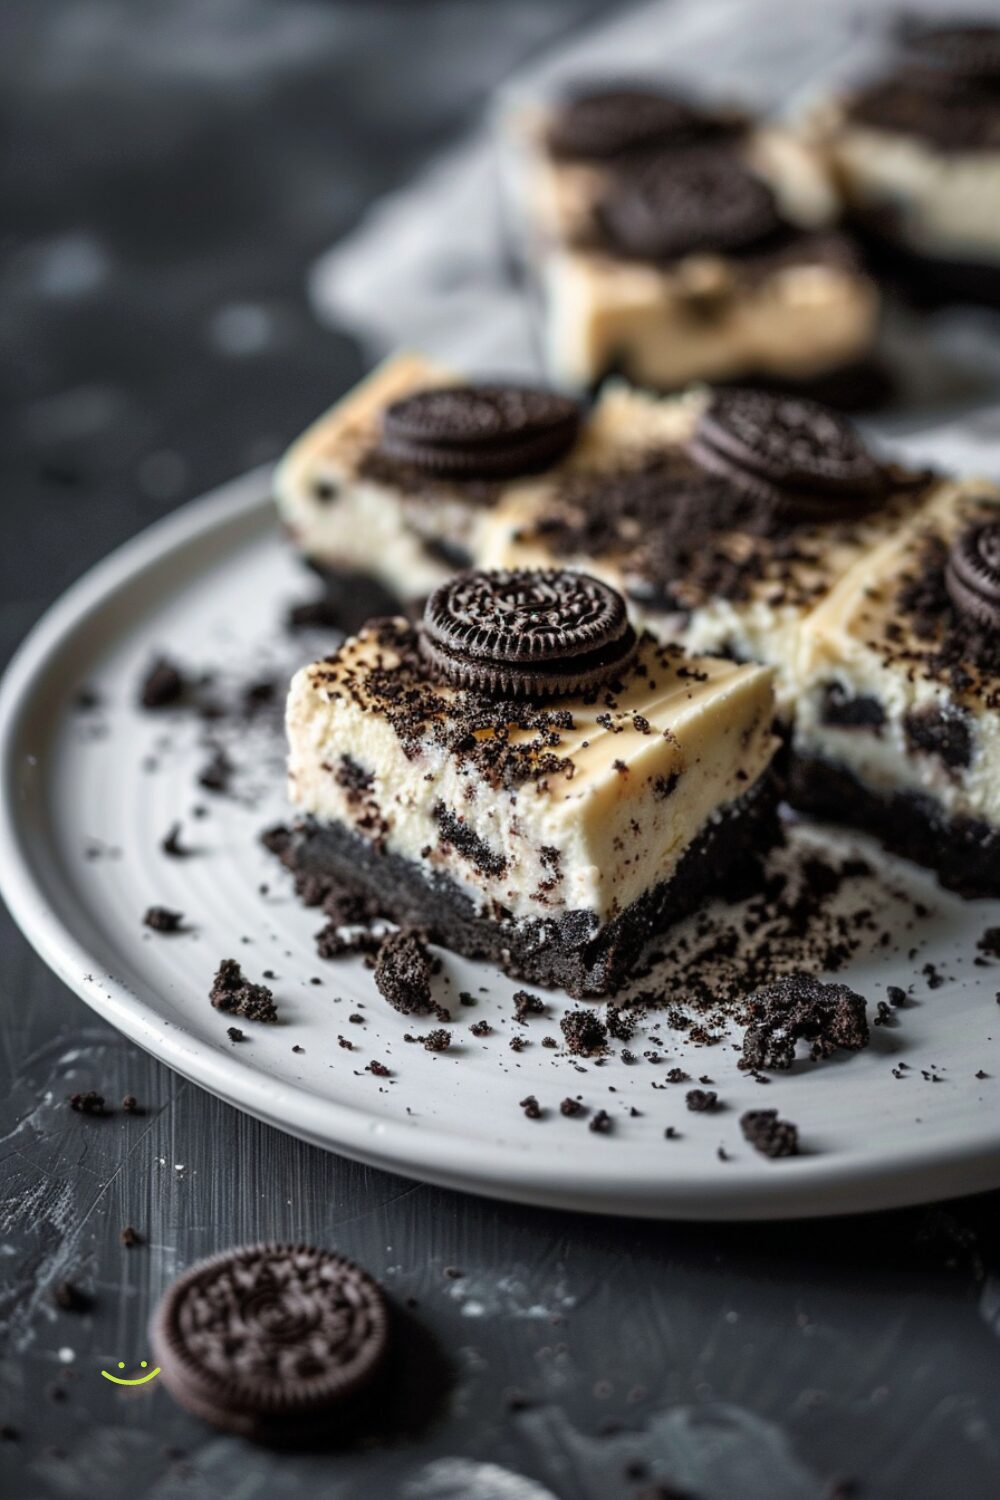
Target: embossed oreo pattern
x=972, y=575
x=269, y=1333
x=803, y=454
x=527, y=633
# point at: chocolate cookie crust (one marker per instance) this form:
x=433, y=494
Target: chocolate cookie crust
x=260, y=1339
x=964, y=852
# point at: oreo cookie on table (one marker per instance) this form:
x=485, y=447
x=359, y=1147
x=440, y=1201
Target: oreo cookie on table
x=527, y=633
x=269, y=1341
x=479, y=431
x=688, y=202
x=972, y=575
x=605, y=123
x=805, y=458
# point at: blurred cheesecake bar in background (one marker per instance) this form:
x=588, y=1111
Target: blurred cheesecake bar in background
x=528, y=780
x=897, y=724
x=916, y=156
x=396, y=481
x=725, y=518
x=672, y=243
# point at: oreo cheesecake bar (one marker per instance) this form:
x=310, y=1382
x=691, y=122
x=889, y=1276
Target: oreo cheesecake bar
x=525, y=777
x=725, y=518
x=675, y=244
x=917, y=155
x=898, y=716
x=394, y=482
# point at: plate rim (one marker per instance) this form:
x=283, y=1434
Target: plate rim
x=804, y=1188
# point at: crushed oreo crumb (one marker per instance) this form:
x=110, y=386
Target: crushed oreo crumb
x=701, y=1100
x=88, y=1103
x=584, y=1032
x=234, y=994
x=769, y=1134
x=163, y=685
x=830, y=1017
x=161, y=919
x=403, y=971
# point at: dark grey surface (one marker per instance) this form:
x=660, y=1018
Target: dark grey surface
x=168, y=172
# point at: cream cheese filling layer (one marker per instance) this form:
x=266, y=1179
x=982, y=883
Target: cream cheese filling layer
x=640, y=793
x=667, y=326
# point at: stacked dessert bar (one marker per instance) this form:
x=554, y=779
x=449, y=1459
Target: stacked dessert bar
x=915, y=153
x=733, y=524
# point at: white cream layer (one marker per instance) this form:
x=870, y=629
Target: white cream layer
x=943, y=203
x=698, y=320
x=615, y=836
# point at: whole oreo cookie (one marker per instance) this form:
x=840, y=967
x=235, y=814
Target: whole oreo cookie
x=528, y=633
x=685, y=202
x=803, y=455
x=480, y=431
x=606, y=123
x=972, y=575
x=261, y=1339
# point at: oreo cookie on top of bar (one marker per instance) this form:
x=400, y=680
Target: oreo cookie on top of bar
x=479, y=431
x=806, y=460
x=617, y=121
x=527, y=633
x=703, y=199
x=944, y=88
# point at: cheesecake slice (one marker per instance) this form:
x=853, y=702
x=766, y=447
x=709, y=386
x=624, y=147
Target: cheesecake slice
x=724, y=518
x=395, y=482
x=898, y=716
x=916, y=152
x=673, y=243
x=527, y=778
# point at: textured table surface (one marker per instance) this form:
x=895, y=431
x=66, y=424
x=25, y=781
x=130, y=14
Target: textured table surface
x=168, y=173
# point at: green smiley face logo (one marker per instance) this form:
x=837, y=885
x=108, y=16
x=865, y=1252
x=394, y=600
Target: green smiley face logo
x=141, y=1380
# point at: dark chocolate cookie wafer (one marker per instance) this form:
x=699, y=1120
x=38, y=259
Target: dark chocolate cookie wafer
x=686, y=202
x=972, y=575
x=969, y=51
x=949, y=112
x=527, y=634
x=614, y=122
x=804, y=456
x=480, y=431
x=262, y=1339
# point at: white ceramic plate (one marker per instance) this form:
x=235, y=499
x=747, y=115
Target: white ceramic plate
x=88, y=796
